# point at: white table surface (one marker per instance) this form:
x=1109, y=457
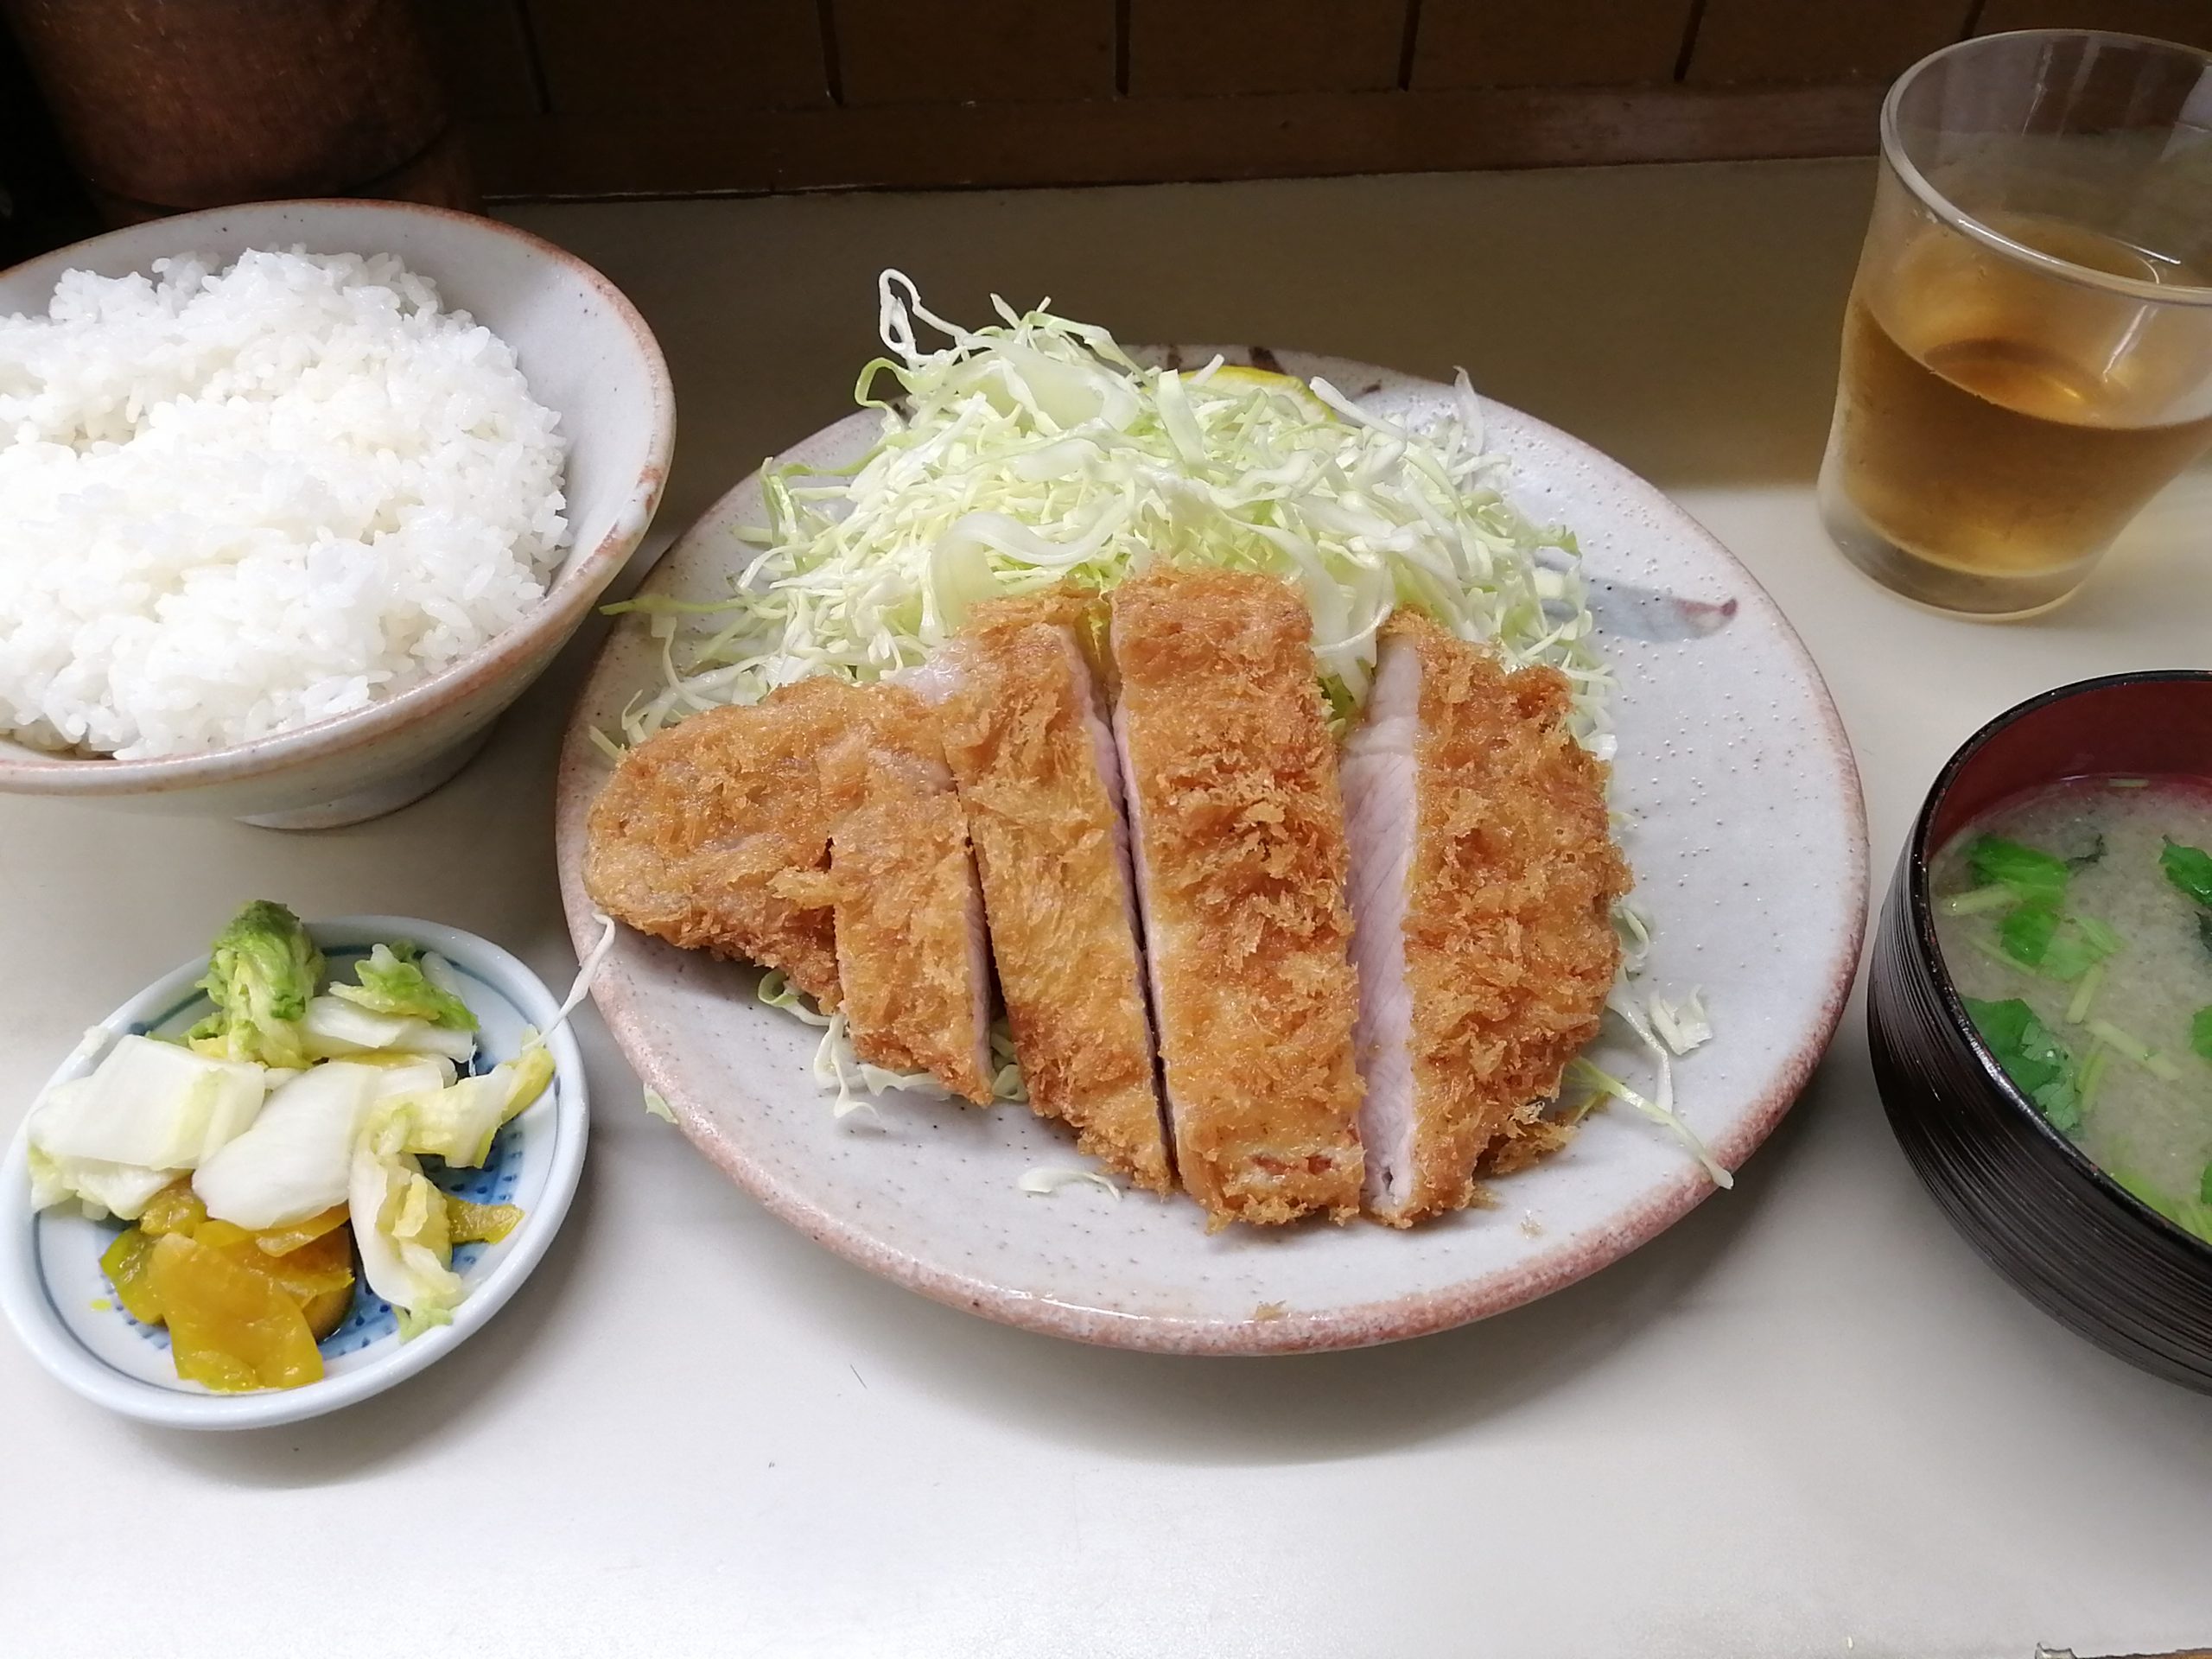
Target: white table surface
x=1808, y=1421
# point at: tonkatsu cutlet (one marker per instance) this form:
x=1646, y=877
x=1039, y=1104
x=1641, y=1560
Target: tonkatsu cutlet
x=914, y=969
x=1020, y=715
x=1238, y=832
x=816, y=832
x=706, y=832
x=1484, y=879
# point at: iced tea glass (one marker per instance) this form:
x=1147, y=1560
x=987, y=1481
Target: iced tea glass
x=2027, y=353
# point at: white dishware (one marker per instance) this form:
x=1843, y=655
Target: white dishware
x=1748, y=837
x=52, y=1291
x=587, y=354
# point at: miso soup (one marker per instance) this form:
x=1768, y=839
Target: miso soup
x=2076, y=922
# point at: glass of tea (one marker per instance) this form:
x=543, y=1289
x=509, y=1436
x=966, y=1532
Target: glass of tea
x=2027, y=356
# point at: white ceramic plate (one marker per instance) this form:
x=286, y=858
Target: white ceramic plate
x=62, y=1305
x=1749, y=850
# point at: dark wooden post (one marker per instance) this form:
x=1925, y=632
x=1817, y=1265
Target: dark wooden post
x=171, y=104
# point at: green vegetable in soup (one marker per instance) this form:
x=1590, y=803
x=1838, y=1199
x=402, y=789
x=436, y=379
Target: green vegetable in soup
x=2075, y=949
x=2027, y=933
x=2035, y=876
x=2189, y=868
x=260, y=975
x=2074, y=954
x=392, y=982
x=1982, y=898
x=2129, y=1046
x=2204, y=1185
x=2200, y=1032
x=2034, y=937
x=2093, y=1076
x=2037, y=1061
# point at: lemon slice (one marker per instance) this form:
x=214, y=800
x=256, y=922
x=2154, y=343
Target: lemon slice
x=1286, y=385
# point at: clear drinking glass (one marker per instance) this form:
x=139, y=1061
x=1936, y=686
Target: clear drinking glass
x=2027, y=355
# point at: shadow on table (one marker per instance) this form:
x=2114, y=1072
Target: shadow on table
x=1312, y=1407
x=1684, y=320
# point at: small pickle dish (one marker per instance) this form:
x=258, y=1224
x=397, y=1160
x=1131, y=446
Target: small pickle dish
x=291, y=1172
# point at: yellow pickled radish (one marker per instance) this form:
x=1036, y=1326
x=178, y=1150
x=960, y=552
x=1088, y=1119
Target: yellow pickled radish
x=128, y=1263
x=283, y=1241
x=230, y=1328
x=487, y=1223
x=175, y=1209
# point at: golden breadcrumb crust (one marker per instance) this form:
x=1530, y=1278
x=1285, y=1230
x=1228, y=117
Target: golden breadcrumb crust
x=909, y=965
x=697, y=835
x=1044, y=832
x=1240, y=827
x=905, y=904
x=1510, y=952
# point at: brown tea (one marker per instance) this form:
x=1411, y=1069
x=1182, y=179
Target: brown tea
x=1999, y=420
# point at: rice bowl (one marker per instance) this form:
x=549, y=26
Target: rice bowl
x=235, y=500
x=590, y=362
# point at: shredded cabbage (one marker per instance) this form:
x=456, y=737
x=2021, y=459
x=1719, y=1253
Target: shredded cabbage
x=1682, y=1025
x=1007, y=1082
x=1047, y=1179
x=1022, y=455
x=1633, y=924
x=837, y=1068
x=1599, y=1084
x=587, y=971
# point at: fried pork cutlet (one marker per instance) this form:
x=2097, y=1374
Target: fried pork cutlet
x=707, y=832
x=1037, y=773
x=1482, y=880
x=1238, y=828
x=913, y=967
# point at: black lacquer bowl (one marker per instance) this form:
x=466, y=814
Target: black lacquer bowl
x=2078, y=1244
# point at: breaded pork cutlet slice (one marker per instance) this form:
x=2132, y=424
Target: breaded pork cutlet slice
x=1017, y=705
x=1238, y=830
x=913, y=966
x=1484, y=877
x=707, y=832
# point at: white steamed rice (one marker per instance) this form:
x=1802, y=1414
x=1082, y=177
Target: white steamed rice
x=233, y=502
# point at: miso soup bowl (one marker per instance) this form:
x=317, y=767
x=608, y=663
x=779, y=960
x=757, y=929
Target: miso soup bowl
x=2067, y=1235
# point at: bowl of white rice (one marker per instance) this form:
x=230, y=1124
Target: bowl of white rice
x=296, y=496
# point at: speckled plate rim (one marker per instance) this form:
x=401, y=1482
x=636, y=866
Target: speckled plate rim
x=585, y=572
x=27, y=1303
x=1353, y=1325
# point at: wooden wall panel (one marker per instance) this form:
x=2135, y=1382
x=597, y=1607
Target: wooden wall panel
x=651, y=96
x=1549, y=42
x=642, y=57
x=973, y=51
x=1742, y=40
x=2188, y=20
x=1231, y=47
x=1133, y=140
x=482, y=51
